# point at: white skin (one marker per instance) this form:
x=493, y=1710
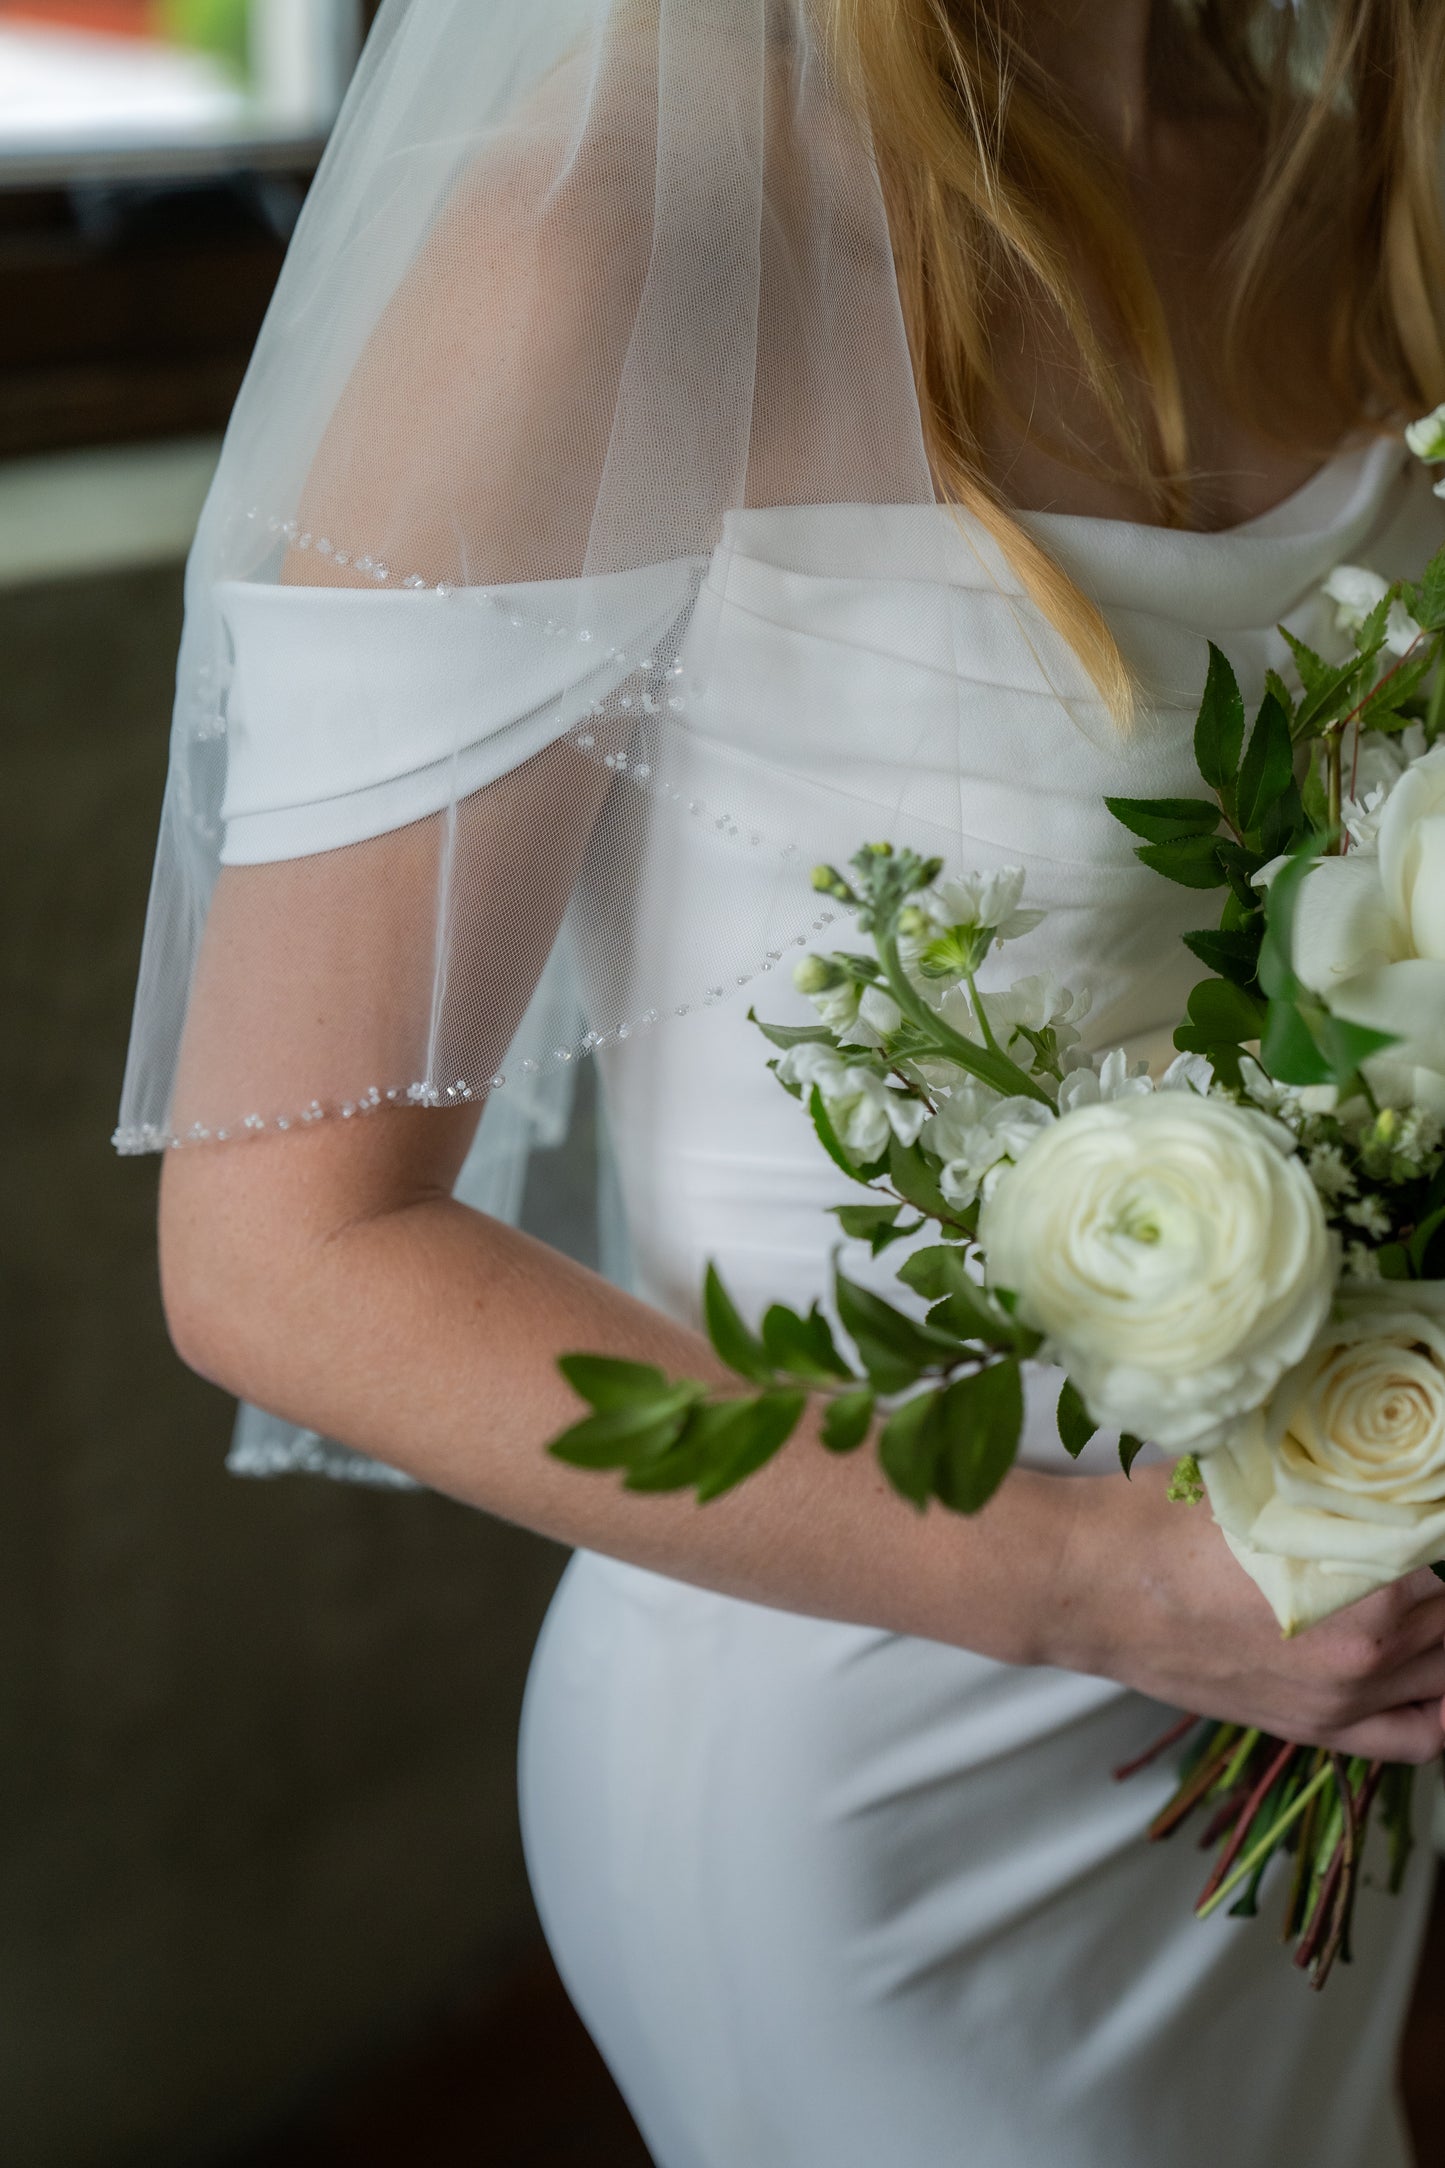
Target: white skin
x=330, y=1276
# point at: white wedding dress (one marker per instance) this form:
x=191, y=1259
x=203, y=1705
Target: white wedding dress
x=833, y=1898
x=825, y=1896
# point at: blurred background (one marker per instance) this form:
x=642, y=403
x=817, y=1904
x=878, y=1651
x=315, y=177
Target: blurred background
x=261, y=1889
x=262, y=1902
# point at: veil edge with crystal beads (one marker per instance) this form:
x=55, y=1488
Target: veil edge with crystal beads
x=466, y=782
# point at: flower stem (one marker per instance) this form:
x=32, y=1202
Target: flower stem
x=985, y=1062
x=1266, y=1843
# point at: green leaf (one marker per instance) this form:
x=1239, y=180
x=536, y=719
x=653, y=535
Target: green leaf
x=1394, y=1263
x=624, y=1436
x=847, y=1420
x=832, y=1145
x=1235, y=956
x=712, y=1428
x=893, y=1350
x=1239, y=868
x=977, y=1423
x=1288, y=1050
x=767, y=1425
x=1219, y=732
x=962, y=1307
x=1224, y=1012
x=936, y=1272
x=1166, y=820
x=791, y=1035
x=1277, y=973
x=802, y=1346
x=740, y=1349
x=1076, y=1425
x=1426, y=603
x=1423, y=1237
x=1130, y=1448
x=878, y=1225
x=1347, y=1047
x=1275, y=684
x=606, y=1383
x=1192, y=863
x=907, y=1449
x=917, y=1184
x=1268, y=767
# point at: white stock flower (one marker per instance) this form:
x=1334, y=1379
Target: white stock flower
x=1118, y=1078
x=1337, y=1486
x=1426, y=437
x=987, y=901
x=1375, y=767
x=864, y=1109
x=1370, y=936
x=976, y=1134
x=1173, y=1251
x=1355, y=592
x=875, y=1018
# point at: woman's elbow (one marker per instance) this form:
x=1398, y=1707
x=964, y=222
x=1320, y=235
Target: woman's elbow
x=224, y=1270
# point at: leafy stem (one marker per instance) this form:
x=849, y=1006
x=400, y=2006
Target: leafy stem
x=988, y=1063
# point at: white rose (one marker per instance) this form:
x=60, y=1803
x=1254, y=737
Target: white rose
x=1337, y=1487
x=1355, y=592
x=1174, y=1253
x=863, y=1109
x=1370, y=936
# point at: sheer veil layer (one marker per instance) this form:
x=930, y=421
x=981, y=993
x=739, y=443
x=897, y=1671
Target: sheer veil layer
x=464, y=783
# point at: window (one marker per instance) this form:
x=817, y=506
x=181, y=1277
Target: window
x=153, y=87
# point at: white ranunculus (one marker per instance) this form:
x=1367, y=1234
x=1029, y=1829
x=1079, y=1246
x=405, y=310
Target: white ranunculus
x=863, y=1108
x=1337, y=1486
x=1370, y=936
x=1426, y=438
x=1174, y=1253
x=1355, y=592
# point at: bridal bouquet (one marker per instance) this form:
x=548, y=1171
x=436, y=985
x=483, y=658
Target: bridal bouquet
x=1241, y=1262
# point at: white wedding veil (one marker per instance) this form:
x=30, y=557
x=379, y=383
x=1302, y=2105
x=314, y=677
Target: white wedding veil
x=581, y=288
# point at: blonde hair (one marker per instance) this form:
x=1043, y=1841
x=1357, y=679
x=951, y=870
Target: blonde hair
x=995, y=192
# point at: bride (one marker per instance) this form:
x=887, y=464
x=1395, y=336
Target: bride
x=693, y=438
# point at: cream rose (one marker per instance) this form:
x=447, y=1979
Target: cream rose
x=1173, y=1251
x=1370, y=936
x=1337, y=1487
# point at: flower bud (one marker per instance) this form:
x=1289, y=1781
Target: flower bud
x=816, y=975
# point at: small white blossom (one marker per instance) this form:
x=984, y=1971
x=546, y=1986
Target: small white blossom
x=863, y=1107
x=1292, y=1103
x=1426, y=437
x=1355, y=592
x=876, y=1018
x=1361, y=1262
x=987, y=901
x=1370, y=1216
x=1329, y=1173
x=976, y=1135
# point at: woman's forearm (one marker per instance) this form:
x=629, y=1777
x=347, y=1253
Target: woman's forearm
x=427, y=1336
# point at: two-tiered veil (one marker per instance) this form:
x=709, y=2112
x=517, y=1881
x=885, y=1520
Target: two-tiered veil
x=579, y=283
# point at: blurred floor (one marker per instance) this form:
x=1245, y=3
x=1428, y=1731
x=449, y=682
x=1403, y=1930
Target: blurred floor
x=511, y=2080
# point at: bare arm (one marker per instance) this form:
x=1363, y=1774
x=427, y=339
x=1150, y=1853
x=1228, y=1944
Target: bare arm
x=332, y=1277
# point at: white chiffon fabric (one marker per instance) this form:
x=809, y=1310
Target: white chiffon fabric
x=832, y=1896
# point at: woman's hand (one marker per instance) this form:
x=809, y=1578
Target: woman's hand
x=1159, y=1603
